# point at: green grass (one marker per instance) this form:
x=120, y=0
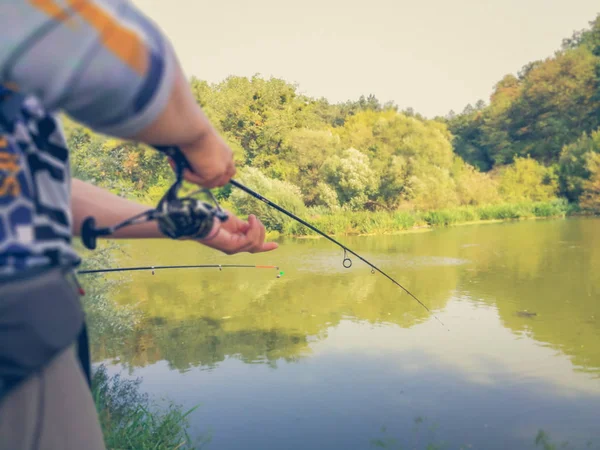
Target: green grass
x=130, y=421
x=365, y=222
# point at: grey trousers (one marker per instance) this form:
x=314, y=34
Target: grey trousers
x=52, y=410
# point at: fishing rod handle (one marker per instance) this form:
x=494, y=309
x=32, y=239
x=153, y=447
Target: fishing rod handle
x=182, y=163
x=175, y=153
x=90, y=234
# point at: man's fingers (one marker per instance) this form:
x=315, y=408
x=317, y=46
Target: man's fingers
x=231, y=171
x=259, y=243
x=223, y=177
x=199, y=180
x=235, y=243
x=254, y=234
x=228, y=175
x=234, y=224
x=238, y=236
x=268, y=246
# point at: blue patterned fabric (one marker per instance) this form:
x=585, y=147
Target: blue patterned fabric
x=35, y=222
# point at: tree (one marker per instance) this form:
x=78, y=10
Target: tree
x=283, y=193
x=527, y=180
x=309, y=148
x=573, y=164
x=351, y=176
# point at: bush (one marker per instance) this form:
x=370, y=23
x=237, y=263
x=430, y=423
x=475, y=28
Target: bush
x=574, y=166
x=326, y=196
x=282, y=193
x=352, y=177
x=129, y=421
x=590, y=198
x=474, y=187
x=527, y=180
x=363, y=222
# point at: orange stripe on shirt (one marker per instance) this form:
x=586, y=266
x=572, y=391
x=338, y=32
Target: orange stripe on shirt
x=54, y=10
x=51, y=8
x=124, y=43
x=121, y=41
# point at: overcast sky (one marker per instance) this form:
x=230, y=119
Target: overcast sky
x=432, y=55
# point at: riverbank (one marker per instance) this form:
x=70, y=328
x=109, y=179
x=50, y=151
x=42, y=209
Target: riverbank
x=362, y=223
x=130, y=420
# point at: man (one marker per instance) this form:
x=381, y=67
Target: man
x=110, y=68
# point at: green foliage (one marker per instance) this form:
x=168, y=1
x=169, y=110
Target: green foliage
x=533, y=141
x=281, y=192
x=574, y=164
x=543, y=440
x=365, y=222
x=468, y=142
x=474, y=187
x=325, y=195
x=435, y=189
x=309, y=148
x=447, y=217
x=511, y=211
x=130, y=421
x=125, y=168
x=539, y=113
x=351, y=176
x=527, y=180
x=590, y=198
x=555, y=104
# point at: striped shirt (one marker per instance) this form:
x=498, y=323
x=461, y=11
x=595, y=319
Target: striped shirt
x=100, y=61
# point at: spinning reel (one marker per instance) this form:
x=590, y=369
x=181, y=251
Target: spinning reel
x=177, y=217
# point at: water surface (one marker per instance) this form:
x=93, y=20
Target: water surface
x=334, y=358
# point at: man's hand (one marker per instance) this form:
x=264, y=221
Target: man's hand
x=237, y=236
x=232, y=236
x=211, y=160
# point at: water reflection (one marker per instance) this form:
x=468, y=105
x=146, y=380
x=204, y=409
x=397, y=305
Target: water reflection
x=544, y=268
x=233, y=312
x=353, y=353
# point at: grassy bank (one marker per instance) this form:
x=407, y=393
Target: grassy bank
x=364, y=222
x=129, y=420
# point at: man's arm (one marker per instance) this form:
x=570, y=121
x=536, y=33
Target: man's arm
x=108, y=209
x=108, y=66
x=111, y=68
x=232, y=236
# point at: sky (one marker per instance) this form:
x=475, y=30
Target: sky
x=431, y=55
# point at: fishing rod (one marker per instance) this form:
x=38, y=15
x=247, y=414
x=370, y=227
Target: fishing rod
x=196, y=266
x=189, y=217
x=346, y=262
x=175, y=154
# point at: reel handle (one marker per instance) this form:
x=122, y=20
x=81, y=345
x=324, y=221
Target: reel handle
x=89, y=233
x=176, y=155
x=181, y=163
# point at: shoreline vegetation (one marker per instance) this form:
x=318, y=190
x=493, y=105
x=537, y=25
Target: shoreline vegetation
x=392, y=223
x=364, y=167
x=131, y=420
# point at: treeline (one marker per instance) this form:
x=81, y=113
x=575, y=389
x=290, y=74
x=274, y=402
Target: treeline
x=549, y=111
x=537, y=140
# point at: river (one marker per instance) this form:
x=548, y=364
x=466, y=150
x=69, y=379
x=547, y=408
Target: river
x=331, y=358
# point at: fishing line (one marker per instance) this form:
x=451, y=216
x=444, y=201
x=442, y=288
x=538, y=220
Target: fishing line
x=196, y=266
x=347, y=262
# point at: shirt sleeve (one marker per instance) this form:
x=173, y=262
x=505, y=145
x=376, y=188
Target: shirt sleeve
x=101, y=61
